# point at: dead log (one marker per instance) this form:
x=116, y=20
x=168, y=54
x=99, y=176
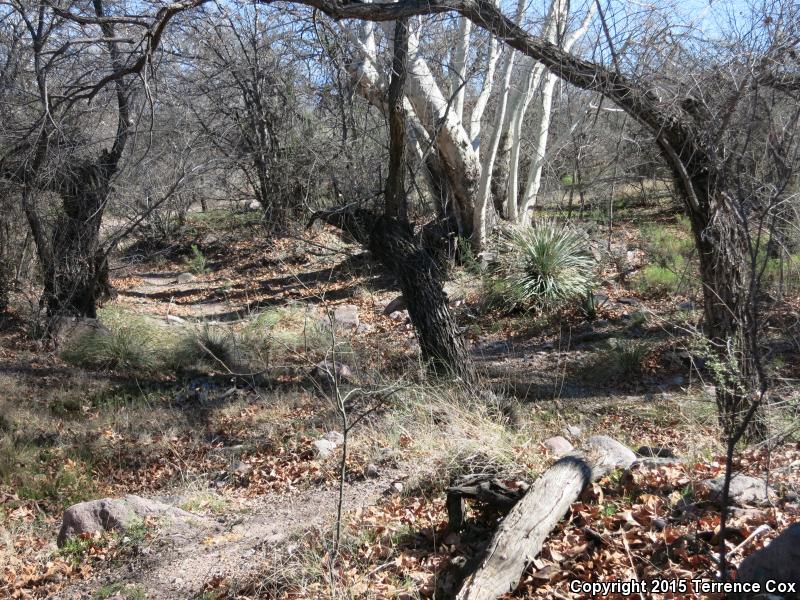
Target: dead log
x=521, y=534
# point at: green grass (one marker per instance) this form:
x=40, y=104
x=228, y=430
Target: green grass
x=671, y=251
x=197, y=264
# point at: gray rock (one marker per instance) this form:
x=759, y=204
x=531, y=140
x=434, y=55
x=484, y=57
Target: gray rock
x=395, y=305
x=371, y=471
x=185, y=278
x=744, y=490
x=558, y=446
x=400, y=316
x=363, y=328
x=254, y=205
x=573, y=431
x=324, y=448
x=779, y=562
x=628, y=301
x=336, y=438
x=346, y=316
x=616, y=454
x=115, y=513
x=241, y=469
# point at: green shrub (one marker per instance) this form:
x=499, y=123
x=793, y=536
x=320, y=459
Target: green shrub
x=215, y=347
x=621, y=360
x=197, y=264
x=541, y=266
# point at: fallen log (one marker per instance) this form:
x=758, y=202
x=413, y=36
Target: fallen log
x=521, y=534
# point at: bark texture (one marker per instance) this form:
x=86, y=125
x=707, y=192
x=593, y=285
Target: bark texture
x=522, y=533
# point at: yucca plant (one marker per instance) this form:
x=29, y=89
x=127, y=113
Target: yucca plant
x=542, y=266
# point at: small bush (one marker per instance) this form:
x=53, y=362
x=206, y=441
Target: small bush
x=197, y=264
x=542, y=266
x=671, y=252
x=215, y=347
x=620, y=361
x=657, y=280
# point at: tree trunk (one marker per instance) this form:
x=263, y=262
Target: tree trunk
x=523, y=531
x=396, y=203
x=393, y=244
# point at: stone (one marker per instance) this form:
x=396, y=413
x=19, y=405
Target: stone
x=336, y=438
x=394, y=306
x=175, y=319
x=324, y=448
x=327, y=373
x=109, y=514
x=185, y=278
x=254, y=205
x=744, y=490
x=371, y=471
x=364, y=328
x=779, y=562
x=400, y=316
x=628, y=301
x=346, y=316
x=618, y=455
x=573, y=431
x=558, y=446
x=241, y=469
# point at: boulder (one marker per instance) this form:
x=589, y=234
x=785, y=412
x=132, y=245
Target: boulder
x=395, y=305
x=185, y=278
x=346, y=316
x=558, y=446
x=779, y=562
x=108, y=514
x=744, y=490
x=573, y=431
x=616, y=454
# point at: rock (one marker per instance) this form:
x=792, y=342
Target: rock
x=363, y=328
x=599, y=300
x=346, y=316
x=779, y=562
x=336, y=438
x=618, y=455
x=185, y=278
x=395, y=305
x=175, y=319
x=573, y=431
x=558, y=446
x=326, y=373
x=744, y=490
x=655, y=452
x=116, y=513
x=324, y=448
x=687, y=306
x=254, y=205
x=396, y=487
x=371, y=471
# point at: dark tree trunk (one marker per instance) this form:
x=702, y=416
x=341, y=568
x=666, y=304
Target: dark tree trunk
x=392, y=242
x=731, y=320
x=76, y=269
x=396, y=202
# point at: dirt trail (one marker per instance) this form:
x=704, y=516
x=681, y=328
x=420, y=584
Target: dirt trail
x=230, y=546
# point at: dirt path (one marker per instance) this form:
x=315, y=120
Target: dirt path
x=176, y=564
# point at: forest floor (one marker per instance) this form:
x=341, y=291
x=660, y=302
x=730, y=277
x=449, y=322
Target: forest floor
x=232, y=439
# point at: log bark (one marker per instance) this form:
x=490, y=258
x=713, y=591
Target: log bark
x=523, y=532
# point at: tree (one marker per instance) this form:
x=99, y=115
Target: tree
x=69, y=118
x=713, y=131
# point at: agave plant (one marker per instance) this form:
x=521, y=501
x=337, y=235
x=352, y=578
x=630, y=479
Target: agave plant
x=544, y=265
